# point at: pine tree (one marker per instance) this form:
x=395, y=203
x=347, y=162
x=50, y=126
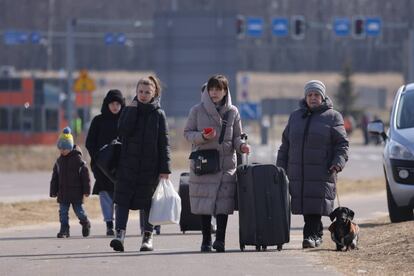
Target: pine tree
x=346, y=97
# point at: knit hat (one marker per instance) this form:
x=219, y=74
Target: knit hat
x=65, y=141
x=315, y=86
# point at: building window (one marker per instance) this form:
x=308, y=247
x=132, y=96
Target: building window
x=16, y=118
x=27, y=121
x=38, y=119
x=10, y=85
x=52, y=119
x=4, y=118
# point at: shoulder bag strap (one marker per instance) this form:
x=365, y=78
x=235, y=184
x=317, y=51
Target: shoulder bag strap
x=223, y=128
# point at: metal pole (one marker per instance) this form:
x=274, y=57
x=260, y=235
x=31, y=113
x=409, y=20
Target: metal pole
x=70, y=62
x=51, y=22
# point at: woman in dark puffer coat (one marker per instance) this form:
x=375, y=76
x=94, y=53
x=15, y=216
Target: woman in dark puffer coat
x=314, y=149
x=104, y=129
x=145, y=158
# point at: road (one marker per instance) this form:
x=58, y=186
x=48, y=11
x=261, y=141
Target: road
x=34, y=250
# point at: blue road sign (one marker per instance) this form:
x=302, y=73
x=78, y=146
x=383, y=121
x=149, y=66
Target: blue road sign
x=109, y=38
x=254, y=26
x=280, y=26
x=342, y=26
x=35, y=37
x=14, y=38
x=249, y=111
x=121, y=39
x=373, y=26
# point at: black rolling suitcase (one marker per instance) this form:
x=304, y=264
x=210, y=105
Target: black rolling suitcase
x=189, y=221
x=264, y=206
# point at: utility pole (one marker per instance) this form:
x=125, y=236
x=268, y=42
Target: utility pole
x=51, y=22
x=70, y=64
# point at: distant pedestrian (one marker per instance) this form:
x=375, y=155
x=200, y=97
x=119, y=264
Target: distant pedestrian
x=314, y=149
x=365, y=119
x=145, y=158
x=70, y=184
x=212, y=193
x=103, y=130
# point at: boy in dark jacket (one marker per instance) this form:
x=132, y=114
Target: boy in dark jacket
x=70, y=183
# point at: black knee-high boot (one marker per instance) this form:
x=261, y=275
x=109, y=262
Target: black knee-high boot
x=206, y=230
x=221, y=233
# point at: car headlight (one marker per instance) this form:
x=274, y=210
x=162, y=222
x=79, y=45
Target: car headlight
x=398, y=151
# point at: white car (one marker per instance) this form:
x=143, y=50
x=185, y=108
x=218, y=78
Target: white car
x=398, y=157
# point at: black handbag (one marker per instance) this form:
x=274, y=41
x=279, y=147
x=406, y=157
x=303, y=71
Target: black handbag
x=107, y=159
x=207, y=161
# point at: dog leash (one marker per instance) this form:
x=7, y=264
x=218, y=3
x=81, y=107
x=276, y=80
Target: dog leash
x=337, y=198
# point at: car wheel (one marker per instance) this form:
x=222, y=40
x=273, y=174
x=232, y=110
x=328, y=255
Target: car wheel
x=397, y=214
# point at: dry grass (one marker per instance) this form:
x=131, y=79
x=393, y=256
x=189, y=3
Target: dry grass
x=27, y=158
x=42, y=158
x=346, y=186
x=384, y=249
x=38, y=212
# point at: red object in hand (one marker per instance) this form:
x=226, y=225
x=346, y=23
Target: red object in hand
x=207, y=130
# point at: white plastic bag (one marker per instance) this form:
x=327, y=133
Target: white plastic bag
x=165, y=205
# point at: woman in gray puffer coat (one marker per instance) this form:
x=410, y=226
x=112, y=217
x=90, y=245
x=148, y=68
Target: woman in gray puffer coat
x=314, y=149
x=213, y=194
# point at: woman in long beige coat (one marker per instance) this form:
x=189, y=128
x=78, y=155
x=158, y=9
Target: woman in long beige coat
x=213, y=194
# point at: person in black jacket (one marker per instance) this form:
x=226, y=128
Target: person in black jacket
x=104, y=129
x=145, y=158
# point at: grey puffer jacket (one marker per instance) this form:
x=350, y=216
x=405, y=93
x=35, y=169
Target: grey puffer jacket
x=312, y=142
x=212, y=194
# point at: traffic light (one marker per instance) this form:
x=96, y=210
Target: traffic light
x=240, y=26
x=358, y=28
x=298, y=27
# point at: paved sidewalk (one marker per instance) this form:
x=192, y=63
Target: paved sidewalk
x=35, y=251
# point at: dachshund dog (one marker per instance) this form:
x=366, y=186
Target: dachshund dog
x=344, y=232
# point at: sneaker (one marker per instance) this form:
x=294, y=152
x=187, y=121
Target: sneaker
x=308, y=243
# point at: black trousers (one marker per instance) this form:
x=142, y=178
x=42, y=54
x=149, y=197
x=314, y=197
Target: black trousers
x=121, y=218
x=221, y=227
x=313, y=226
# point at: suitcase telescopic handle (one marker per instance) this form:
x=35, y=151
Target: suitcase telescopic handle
x=245, y=156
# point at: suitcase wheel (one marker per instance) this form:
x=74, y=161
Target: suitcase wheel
x=257, y=247
x=279, y=247
x=264, y=248
x=242, y=247
x=183, y=232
